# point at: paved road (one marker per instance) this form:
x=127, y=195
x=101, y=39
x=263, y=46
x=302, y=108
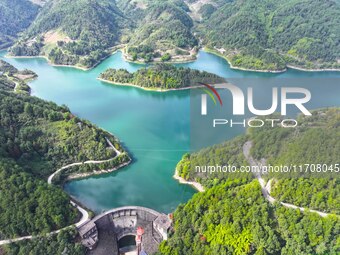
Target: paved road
x=84, y=214
x=50, y=178
x=266, y=186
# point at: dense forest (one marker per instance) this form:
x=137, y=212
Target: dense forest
x=61, y=243
x=270, y=34
x=315, y=193
x=315, y=141
x=38, y=126
x=233, y=218
x=227, y=153
x=77, y=32
x=257, y=35
x=29, y=205
x=38, y=137
x=162, y=27
x=160, y=76
x=15, y=17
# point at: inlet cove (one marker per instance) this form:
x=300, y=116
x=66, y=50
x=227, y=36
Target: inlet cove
x=153, y=127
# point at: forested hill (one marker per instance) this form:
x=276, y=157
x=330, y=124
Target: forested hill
x=73, y=32
x=81, y=32
x=37, y=138
x=271, y=34
x=15, y=16
x=162, y=27
x=264, y=35
x=232, y=217
x=315, y=141
x=160, y=76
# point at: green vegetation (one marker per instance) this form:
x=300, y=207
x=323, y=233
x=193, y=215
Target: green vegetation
x=163, y=27
x=29, y=205
x=268, y=35
x=47, y=136
x=234, y=218
x=61, y=243
x=82, y=33
x=258, y=35
x=37, y=138
x=314, y=141
x=315, y=193
x=13, y=79
x=160, y=76
x=207, y=10
x=15, y=16
x=84, y=30
x=227, y=153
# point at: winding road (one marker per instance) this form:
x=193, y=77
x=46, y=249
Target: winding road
x=267, y=186
x=84, y=213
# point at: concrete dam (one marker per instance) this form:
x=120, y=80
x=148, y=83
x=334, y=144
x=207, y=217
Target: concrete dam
x=130, y=230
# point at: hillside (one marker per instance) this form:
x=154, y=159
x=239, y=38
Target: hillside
x=315, y=141
x=268, y=35
x=162, y=27
x=37, y=138
x=15, y=17
x=75, y=32
x=13, y=79
x=160, y=76
x=256, y=35
x=82, y=33
x=232, y=217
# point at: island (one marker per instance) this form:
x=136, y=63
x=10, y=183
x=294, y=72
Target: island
x=160, y=77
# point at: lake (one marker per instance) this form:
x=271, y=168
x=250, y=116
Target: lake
x=154, y=127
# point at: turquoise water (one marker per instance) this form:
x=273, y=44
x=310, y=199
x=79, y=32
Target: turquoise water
x=153, y=126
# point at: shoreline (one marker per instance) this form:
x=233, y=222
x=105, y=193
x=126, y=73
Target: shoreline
x=49, y=62
x=216, y=53
x=199, y=187
x=288, y=66
x=76, y=176
x=313, y=70
x=212, y=51
x=147, y=89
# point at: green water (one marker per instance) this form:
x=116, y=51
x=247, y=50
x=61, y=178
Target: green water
x=154, y=127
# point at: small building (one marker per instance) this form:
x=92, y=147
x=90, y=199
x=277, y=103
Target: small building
x=89, y=234
x=163, y=224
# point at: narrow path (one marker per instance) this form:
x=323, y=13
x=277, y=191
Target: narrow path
x=50, y=178
x=84, y=218
x=267, y=186
x=84, y=214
